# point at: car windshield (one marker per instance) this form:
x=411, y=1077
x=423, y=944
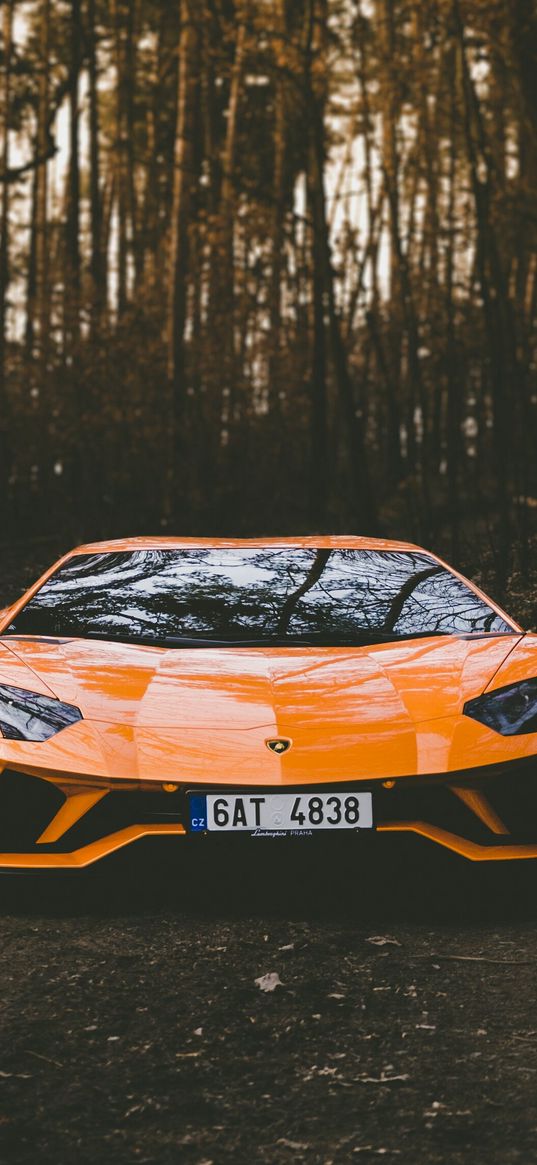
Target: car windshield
x=293, y=596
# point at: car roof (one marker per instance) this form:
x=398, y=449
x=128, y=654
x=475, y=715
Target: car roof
x=317, y=541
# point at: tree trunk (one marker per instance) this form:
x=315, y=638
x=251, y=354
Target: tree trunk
x=496, y=305
x=42, y=289
x=29, y=329
x=97, y=268
x=403, y=303
x=136, y=246
x=226, y=256
x=178, y=255
x=278, y=210
x=127, y=243
x=523, y=29
x=389, y=375
x=72, y=274
x=453, y=391
x=325, y=308
x=7, y=37
x=318, y=483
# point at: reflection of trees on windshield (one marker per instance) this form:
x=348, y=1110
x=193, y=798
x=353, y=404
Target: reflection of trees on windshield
x=313, y=576
x=254, y=593
x=399, y=600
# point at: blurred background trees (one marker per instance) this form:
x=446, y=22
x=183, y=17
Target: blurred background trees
x=270, y=265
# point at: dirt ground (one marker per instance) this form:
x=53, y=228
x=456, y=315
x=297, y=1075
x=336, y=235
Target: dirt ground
x=132, y=1028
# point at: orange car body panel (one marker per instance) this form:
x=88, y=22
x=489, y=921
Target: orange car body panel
x=202, y=716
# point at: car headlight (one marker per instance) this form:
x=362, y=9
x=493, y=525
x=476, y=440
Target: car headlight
x=29, y=716
x=511, y=711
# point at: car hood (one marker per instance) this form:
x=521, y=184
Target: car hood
x=204, y=715
x=241, y=688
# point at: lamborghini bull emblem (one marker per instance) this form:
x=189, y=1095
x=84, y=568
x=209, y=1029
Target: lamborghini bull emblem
x=280, y=745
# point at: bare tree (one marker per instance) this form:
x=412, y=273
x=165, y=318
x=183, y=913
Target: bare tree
x=7, y=35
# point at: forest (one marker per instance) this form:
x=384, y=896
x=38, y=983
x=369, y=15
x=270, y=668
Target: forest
x=270, y=266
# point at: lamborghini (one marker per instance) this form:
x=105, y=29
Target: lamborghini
x=262, y=688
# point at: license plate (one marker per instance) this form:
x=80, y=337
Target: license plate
x=287, y=812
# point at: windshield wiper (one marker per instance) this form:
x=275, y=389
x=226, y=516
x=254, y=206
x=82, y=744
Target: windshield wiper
x=317, y=639
x=362, y=638
x=165, y=640
x=394, y=637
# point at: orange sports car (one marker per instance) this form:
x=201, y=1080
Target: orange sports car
x=262, y=687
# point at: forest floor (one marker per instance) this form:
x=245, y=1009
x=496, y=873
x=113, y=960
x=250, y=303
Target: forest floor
x=132, y=1028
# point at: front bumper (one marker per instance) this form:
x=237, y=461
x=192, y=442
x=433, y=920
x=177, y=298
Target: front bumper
x=483, y=814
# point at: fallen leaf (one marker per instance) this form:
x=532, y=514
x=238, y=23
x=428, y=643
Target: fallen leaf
x=296, y=1145
x=381, y=1152
x=382, y=1079
x=383, y=940
x=269, y=982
